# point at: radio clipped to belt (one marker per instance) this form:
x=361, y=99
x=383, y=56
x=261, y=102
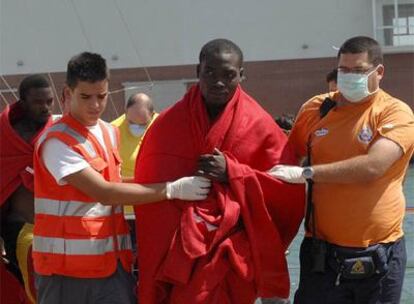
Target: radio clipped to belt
x=359, y=263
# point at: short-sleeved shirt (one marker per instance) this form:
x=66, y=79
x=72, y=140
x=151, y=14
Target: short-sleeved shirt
x=356, y=214
x=62, y=161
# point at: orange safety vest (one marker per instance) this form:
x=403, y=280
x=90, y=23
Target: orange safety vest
x=74, y=235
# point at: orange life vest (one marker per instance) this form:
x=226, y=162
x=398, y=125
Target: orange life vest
x=74, y=235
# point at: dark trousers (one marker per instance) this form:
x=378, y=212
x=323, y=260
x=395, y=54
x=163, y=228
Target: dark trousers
x=379, y=288
x=119, y=288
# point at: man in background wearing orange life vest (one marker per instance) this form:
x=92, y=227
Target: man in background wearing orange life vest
x=82, y=248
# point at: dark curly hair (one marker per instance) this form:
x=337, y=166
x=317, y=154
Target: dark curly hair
x=89, y=67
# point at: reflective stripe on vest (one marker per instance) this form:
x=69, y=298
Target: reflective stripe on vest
x=73, y=208
x=79, y=247
x=64, y=128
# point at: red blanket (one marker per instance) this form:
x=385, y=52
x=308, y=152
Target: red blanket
x=16, y=155
x=230, y=247
x=11, y=290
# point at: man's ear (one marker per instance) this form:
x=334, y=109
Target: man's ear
x=242, y=77
x=198, y=71
x=67, y=94
x=380, y=72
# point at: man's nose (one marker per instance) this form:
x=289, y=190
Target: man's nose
x=94, y=101
x=46, y=107
x=219, y=83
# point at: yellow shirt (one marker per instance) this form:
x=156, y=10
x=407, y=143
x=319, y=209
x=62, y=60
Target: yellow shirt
x=129, y=144
x=358, y=214
x=129, y=149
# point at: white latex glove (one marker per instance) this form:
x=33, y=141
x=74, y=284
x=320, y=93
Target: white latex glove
x=289, y=174
x=192, y=188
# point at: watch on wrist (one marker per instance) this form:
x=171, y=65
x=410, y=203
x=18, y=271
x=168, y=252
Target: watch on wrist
x=307, y=173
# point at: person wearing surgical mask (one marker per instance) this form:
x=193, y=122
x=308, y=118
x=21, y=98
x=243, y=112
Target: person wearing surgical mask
x=139, y=115
x=356, y=84
x=358, y=142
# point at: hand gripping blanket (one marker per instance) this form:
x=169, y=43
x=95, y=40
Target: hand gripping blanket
x=229, y=248
x=16, y=155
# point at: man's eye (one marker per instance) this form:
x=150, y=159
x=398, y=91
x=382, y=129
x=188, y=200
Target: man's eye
x=230, y=75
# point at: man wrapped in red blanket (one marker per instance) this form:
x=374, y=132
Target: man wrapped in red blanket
x=230, y=247
x=21, y=124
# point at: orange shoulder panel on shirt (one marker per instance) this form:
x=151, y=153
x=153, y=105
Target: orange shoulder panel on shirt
x=307, y=117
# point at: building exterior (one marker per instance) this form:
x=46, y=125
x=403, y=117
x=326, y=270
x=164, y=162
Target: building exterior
x=153, y=45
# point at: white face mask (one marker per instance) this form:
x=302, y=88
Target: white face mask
x=137, y=130
x=353, y=86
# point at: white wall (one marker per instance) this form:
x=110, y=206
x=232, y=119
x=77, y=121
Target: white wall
x=44, y=34
x=164, y=93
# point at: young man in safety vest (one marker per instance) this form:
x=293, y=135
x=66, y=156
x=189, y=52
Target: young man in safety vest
x=82, y=249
